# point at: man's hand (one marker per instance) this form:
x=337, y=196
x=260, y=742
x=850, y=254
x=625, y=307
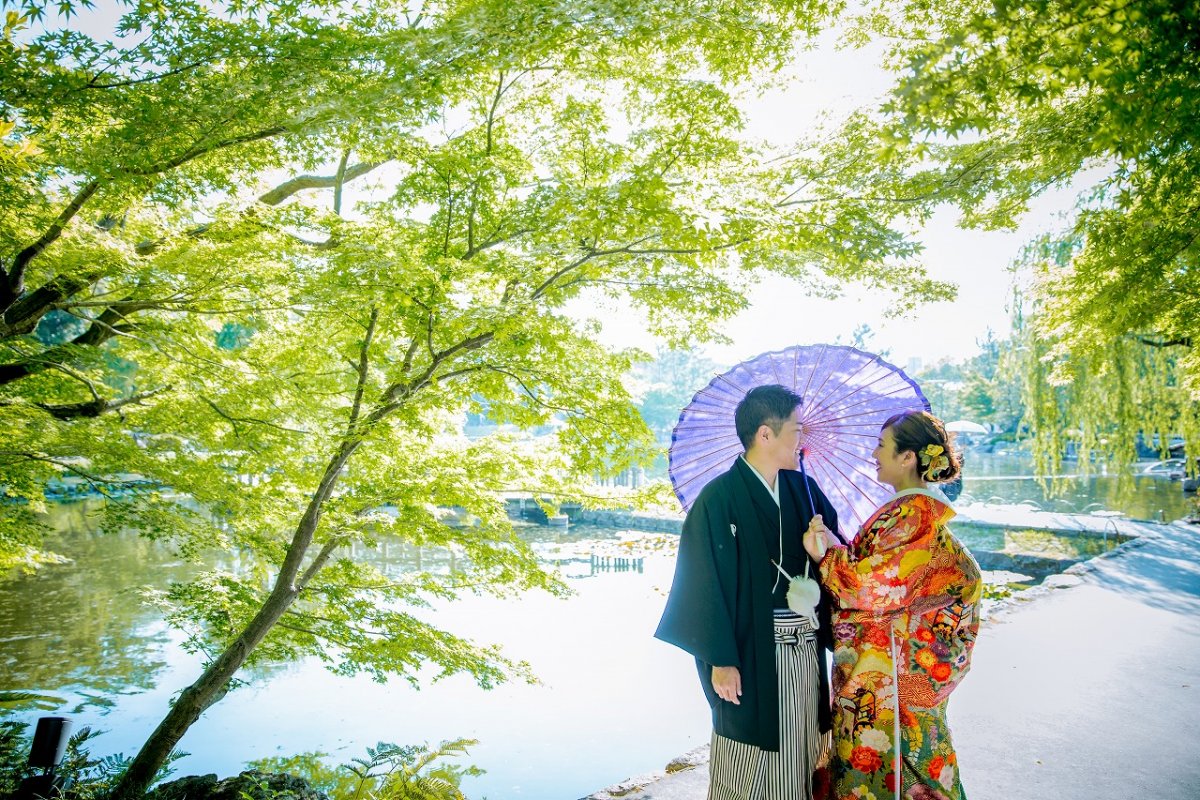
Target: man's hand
x=816, y=538
x=727, y=682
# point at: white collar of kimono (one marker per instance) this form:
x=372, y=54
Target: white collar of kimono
x=928, y=493
x=774, y=490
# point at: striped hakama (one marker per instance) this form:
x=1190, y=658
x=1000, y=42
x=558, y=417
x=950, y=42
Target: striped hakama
x=739, y=771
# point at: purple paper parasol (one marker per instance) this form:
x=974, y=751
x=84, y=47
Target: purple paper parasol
x=848, y=394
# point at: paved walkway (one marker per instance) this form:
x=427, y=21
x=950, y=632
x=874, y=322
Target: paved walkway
x=1087, y=686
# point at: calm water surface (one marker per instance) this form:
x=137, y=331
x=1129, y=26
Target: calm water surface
x=1010, y=479
x=612, y=702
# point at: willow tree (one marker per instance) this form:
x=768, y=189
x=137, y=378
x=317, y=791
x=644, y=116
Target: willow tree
x=1105, y=403
x=258, y=261
x=996, y=102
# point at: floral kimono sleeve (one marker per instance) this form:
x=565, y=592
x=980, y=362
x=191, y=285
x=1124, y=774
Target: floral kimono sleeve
x=942, y=638
x=884, y=569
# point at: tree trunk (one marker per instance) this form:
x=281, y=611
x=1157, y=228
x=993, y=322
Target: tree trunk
x=210, y=687
x=192, y=702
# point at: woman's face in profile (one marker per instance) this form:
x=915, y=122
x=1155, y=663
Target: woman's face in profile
x=890, y=466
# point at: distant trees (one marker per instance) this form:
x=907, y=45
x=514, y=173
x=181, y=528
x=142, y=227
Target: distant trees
x=668, y=384
x=991, y=392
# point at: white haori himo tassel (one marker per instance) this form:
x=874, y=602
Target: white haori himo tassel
x=803, y=595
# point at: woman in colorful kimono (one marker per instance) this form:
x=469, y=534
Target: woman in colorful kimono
x=906, y=596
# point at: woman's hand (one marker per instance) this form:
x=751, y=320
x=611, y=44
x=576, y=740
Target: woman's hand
x=816, y=538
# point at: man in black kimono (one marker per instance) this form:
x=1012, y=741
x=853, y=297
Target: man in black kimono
x=761, y=664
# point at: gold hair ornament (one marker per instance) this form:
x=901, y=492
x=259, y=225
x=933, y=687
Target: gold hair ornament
x=933, y=461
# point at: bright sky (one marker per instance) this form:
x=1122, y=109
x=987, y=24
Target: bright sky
x=834, y=82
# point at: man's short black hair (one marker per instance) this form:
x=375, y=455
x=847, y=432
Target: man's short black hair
x=769, y=405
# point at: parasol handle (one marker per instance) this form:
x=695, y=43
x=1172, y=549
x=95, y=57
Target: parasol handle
x=812, y=507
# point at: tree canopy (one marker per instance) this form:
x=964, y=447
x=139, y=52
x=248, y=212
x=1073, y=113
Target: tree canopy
x=259, y=259
x=996, y=102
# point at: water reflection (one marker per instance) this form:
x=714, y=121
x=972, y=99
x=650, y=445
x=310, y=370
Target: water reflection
x=1077, y=546
x=78, y=630
x=1000, y=478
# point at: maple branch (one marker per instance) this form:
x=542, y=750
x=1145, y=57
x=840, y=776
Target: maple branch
x=319, y=562
x=301, y=182
x=90, y=408
x=13, y=285
x=1185, y=341
x=234, y=421
x=196, y=152
x=363, y=362
x=91, y=84
x=24, y=314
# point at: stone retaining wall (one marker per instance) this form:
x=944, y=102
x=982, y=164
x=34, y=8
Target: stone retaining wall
x=633, y=520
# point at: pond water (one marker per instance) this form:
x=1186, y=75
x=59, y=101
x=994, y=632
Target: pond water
x=612, y=701
x=1009, y=478
x=981, y=539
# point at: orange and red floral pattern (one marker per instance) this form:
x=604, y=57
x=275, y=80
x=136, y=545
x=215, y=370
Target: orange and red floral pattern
x=908, y=612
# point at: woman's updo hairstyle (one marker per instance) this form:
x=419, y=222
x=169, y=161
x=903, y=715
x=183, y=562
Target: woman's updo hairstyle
x=924, y=434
